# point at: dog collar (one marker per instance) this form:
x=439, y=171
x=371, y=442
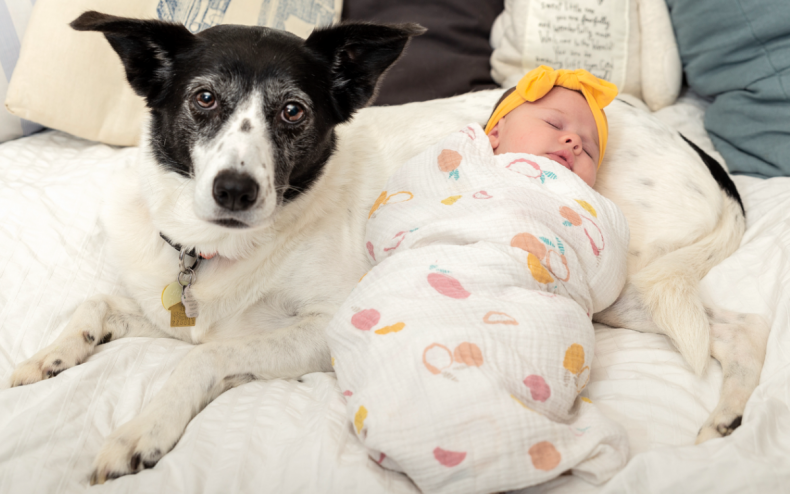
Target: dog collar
x=190, y=253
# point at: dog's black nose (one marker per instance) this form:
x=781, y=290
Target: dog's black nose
x=235, y=191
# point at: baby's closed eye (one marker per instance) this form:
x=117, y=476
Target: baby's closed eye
x=554, y=123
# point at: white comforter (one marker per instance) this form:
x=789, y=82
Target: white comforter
x=292, y=436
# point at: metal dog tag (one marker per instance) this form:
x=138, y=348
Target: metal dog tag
x=190, y=304
x=177, y=296
x=178, y=318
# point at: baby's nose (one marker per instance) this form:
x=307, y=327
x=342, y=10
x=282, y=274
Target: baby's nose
x=573, y=141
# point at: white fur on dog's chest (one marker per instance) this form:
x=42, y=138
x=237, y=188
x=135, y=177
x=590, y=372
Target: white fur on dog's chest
x=229, y=306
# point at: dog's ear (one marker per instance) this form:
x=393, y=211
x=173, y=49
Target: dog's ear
x=358, y=54
x=147, y=48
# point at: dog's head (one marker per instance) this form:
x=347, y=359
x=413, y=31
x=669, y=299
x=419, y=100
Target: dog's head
x=246, y=115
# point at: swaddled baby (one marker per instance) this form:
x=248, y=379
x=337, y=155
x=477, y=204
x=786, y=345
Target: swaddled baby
x=463, y=351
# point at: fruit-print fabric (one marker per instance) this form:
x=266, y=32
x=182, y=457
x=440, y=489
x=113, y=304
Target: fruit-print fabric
x=463, y=351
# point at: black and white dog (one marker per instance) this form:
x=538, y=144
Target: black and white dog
x=246, y=162
x=234, y=164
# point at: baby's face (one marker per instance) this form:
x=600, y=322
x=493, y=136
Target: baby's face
x=559, y=126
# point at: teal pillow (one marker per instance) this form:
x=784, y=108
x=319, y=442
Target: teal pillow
x=738, y=52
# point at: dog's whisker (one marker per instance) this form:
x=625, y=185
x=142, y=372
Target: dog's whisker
x=285, y=188
x=175, y=203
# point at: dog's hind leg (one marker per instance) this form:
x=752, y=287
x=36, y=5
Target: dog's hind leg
x=204, y=373
x=628, y=311
x=96, y=321
x=738, y=342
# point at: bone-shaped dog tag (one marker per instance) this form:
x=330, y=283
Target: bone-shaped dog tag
x=190, y=304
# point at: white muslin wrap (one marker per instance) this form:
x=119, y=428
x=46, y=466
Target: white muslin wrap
x=463, y=351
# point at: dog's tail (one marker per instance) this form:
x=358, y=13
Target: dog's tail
x=670, y=285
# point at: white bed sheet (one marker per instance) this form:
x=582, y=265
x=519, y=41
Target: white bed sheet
x=290, y=436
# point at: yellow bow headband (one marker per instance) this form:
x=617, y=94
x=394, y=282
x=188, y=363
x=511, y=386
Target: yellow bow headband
x=538, y=82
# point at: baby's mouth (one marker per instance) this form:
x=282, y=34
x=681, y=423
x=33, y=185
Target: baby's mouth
x=564, y=158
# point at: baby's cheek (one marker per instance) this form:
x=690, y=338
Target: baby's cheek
x=587, y=171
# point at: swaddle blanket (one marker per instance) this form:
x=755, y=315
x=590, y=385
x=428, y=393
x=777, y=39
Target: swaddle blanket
x=463, y=351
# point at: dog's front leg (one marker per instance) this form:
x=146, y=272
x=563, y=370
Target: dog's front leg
x=207, y=371
x=96, y=321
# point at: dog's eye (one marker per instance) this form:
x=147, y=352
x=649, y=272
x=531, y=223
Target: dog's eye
x=292, y=113
x=206, y=100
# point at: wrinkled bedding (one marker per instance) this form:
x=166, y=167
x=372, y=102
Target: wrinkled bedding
x=292, y=436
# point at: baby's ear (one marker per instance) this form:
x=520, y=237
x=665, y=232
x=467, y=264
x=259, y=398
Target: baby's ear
x=493, y=136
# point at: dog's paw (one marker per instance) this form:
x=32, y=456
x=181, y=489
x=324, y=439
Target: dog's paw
x=718, y=425
x=136, y=445
x=46, y=364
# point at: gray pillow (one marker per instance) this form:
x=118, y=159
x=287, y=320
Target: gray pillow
x=738, y=52
x=453, y=57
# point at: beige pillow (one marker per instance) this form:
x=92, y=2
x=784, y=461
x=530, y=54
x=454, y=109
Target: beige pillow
x=628, y=42
x=74, y=81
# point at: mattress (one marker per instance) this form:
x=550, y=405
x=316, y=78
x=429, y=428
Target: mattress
x=290, y=436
